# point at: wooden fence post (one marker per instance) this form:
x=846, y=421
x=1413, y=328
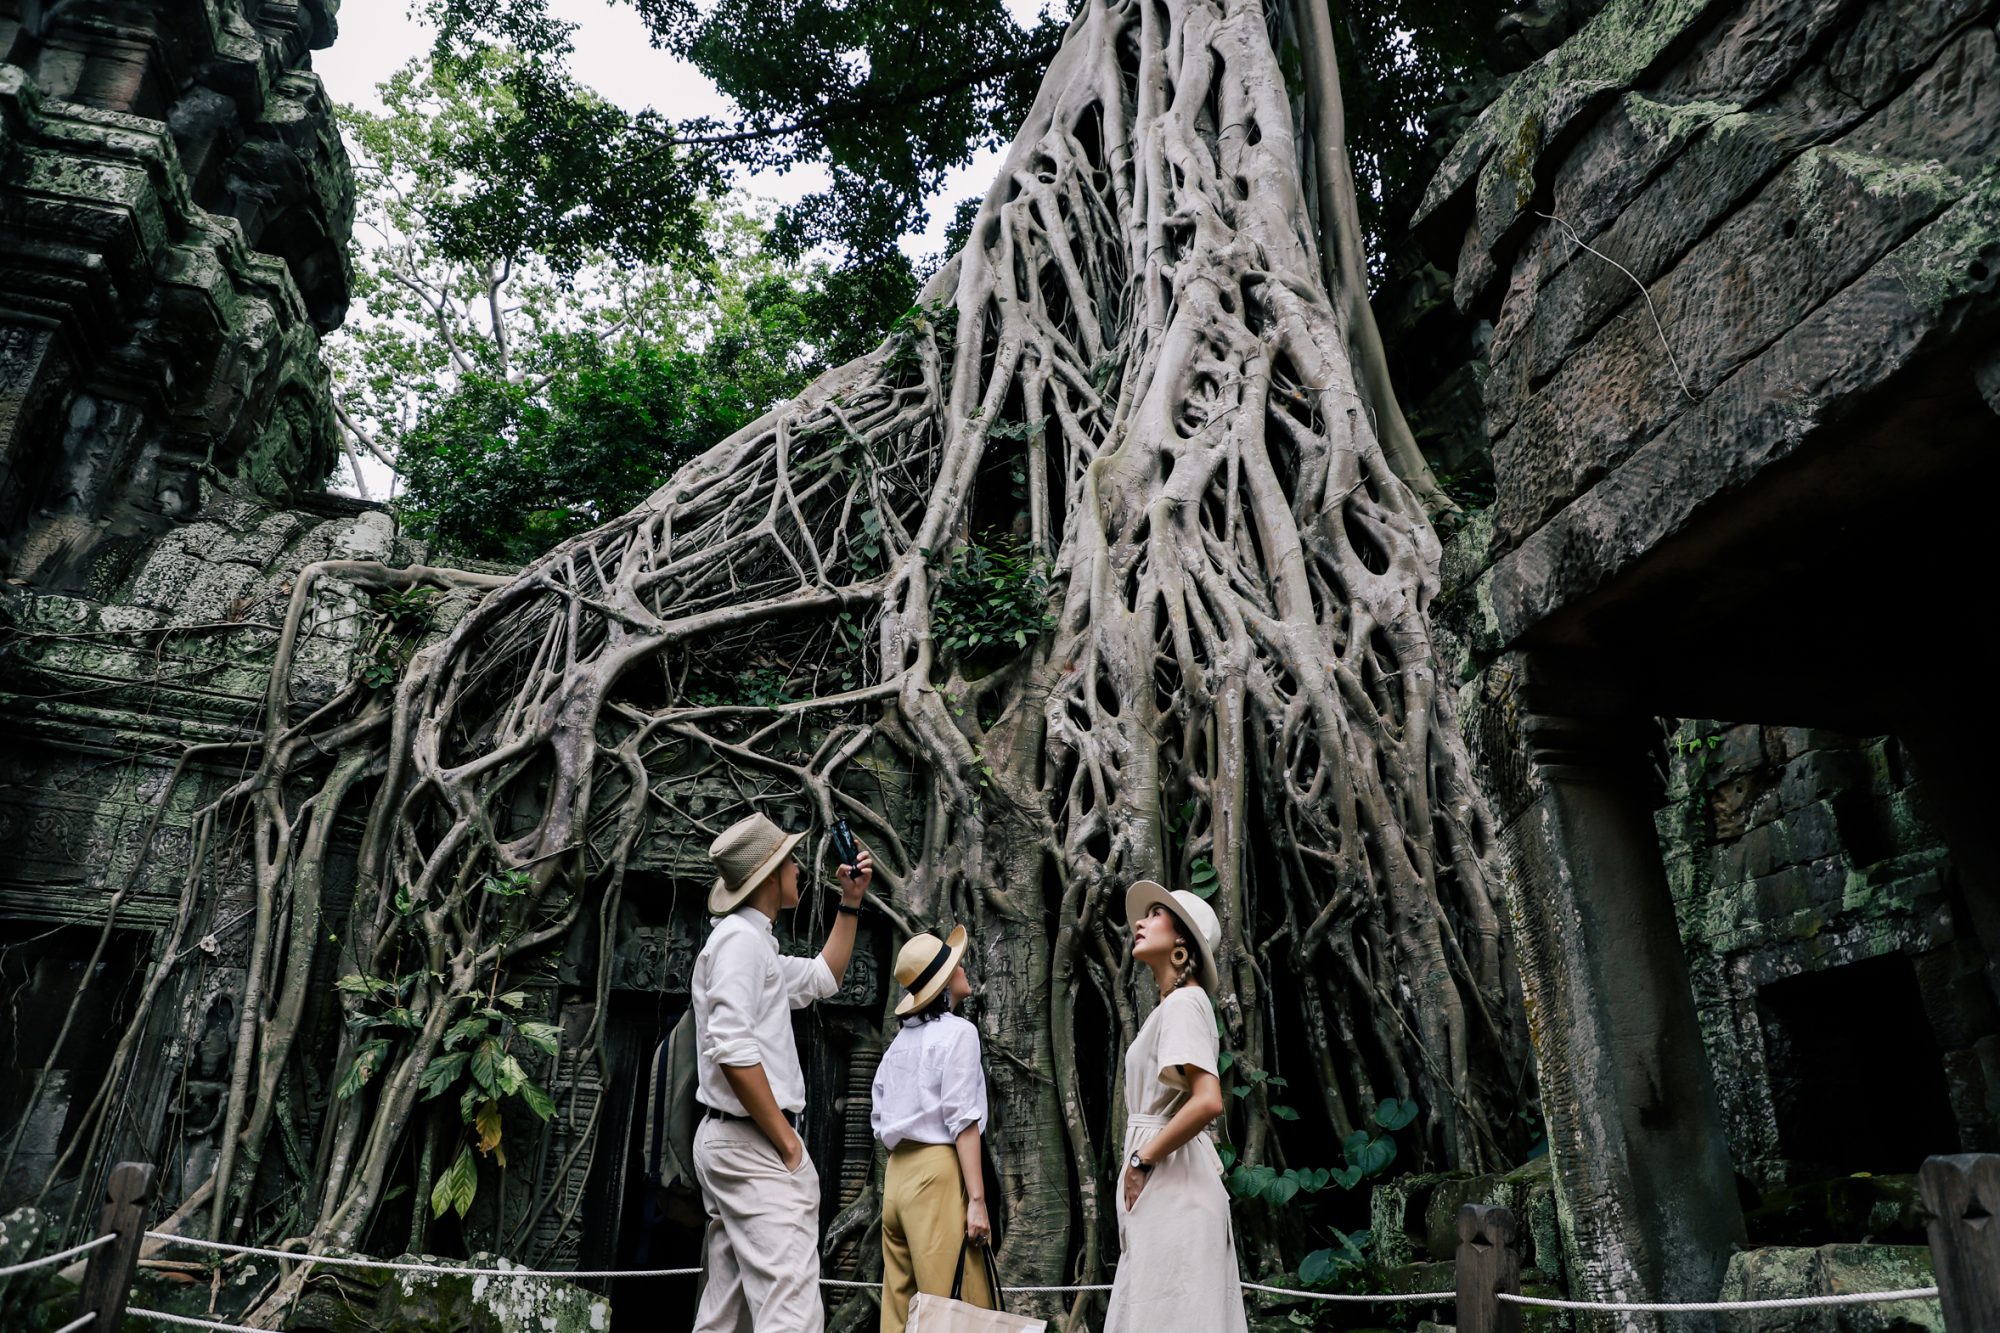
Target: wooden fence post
x=1962, y=1196
x=107, y=1279
x=1487, y=1266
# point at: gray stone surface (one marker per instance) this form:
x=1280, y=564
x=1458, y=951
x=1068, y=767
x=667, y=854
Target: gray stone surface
x=1832, y=1270
x=1784, y=321
x=177, y=206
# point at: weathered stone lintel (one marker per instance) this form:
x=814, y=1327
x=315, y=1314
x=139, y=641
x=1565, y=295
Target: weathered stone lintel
x=1908, y=303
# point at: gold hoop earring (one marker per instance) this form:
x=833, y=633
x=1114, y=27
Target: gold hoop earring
x=1181, y=955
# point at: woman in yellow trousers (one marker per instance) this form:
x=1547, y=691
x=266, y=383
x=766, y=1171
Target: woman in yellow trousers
x=930, y=1109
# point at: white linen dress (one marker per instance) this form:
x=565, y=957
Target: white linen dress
x=1177, y=1254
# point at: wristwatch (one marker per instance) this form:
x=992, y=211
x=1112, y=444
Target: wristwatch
x=1139, y=1164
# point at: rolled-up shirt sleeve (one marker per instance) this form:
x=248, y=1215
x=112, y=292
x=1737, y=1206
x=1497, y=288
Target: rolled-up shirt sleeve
x=1188, y=1039
x=962, y=1087
x=806, y=979
x=732, y=1002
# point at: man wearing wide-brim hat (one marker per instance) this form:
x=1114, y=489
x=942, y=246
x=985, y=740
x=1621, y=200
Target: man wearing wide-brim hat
x=760, y=1260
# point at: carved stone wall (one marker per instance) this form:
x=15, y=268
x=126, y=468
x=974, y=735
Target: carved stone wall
x=163, y=649
x=1831, y=969
x=1732, y=271
x=175, y=206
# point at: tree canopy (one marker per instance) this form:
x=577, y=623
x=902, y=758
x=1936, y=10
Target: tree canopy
x=525, y=398
x=888, y=94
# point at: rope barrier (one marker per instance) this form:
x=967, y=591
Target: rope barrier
x=77, y=1323
x=1380, y=1296
x=342, y=1261
x=1719, y=1307
x=50, y=1260
x=187, y=1321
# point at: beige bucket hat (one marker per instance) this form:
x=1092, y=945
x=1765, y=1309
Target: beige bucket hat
x=1198, y=922
x=745, y=855
x=924, y=965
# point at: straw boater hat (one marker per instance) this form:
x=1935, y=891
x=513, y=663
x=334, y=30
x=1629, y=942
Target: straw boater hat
x=924, y=965
x=1197, y=918
x=745, y=855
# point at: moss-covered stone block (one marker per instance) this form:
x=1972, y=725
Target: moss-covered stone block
x=1830, y=1270
x=405, y=1302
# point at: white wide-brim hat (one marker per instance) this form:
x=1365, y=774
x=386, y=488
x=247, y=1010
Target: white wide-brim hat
x=1198, y=922
x=924, y=965
x=745, y=855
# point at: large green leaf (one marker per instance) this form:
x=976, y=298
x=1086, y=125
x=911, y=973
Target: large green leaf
x=486, y=1066
x=1376, y=1156
x=457, y=1186
x=464, y=1030
x=538, y=1101
x=368, y=1059
x=545, y=1037
x=441, y=1073
x=1395, y=1113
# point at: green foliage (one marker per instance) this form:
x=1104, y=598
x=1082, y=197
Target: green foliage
x=474, y=1060
x=1470, y=487
x=1366, y=1152
x=457, y=1185
x=507, y=470
x=755, y=687
x=1346, y=1257
x=993, y=596
x=888, y=95
x=1407, y=67
x=402, y=618
x=525, y=396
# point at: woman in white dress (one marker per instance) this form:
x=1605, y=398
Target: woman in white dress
x=1177, y=1261
x=929, y=1111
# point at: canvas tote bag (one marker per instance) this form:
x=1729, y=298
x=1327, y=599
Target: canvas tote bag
x=939, y=1314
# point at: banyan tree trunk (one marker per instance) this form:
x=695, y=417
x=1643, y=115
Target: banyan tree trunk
x=1151, y=369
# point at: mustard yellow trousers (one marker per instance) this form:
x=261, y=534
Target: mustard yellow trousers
x=923, y=1226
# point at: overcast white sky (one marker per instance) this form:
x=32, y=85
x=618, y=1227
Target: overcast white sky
x=614, y=57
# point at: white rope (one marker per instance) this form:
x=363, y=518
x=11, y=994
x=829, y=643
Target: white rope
x=73, y=1325
x=339, y=1261
x=186, y=1321
x=50, y=1260
x=1786, y=1303
x=1006, y=1288
x=1355, y=1296
x=1717, y=1307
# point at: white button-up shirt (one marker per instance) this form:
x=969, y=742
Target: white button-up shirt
x=930, y=1085
x=744, y=993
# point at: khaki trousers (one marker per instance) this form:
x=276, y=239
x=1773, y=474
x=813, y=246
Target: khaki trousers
x=760, y=1260
x=923, y=1227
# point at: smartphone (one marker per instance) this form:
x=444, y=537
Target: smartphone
x=844, y=845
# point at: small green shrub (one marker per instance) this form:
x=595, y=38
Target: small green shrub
x=993, y=596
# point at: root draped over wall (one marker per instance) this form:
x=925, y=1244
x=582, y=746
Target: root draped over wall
x=1149, y=365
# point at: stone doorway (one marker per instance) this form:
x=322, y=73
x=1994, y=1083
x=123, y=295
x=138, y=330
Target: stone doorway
x=43, y=969
x=1856, y=1078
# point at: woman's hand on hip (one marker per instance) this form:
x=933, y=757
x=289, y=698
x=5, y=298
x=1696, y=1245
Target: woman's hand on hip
x=976, y=1225
x=1135, y=1180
